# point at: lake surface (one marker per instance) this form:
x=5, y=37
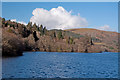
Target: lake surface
x=61, y=65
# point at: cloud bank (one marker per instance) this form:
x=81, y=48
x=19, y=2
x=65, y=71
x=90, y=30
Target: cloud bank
x=57, y=18
x=14, y=20
x=105, y=28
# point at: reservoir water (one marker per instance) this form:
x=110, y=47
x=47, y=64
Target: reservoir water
x=61, y=65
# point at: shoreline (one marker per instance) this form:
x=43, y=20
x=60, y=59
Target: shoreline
x=29, y=52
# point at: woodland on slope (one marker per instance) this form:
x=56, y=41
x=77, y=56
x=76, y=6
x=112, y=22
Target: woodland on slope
x=17, y=38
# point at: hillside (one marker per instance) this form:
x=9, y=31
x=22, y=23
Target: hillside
x=17, y=38
x=106, y=39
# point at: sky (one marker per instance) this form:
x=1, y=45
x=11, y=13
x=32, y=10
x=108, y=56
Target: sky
x=60, y=0
x=64, y=15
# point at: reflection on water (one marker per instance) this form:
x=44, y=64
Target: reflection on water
x=61, y=65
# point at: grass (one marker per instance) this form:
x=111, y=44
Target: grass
x=10, y=31
x=99, y=43
x=111, y=47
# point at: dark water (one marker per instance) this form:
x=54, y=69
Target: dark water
x=61, y=65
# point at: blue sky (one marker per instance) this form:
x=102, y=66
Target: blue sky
x=60, y=0
x=97, y=14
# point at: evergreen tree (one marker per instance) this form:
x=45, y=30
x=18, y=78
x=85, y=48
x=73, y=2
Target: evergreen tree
x=35, y=27
x=60, y=36
x=17, y=25
x=13, y=26
x=87, y=42
x=71, y=40
x=6, y=24
x=41, y=29
x=3, y=20
x=54, y=34
x=44, y=30
x=29, y=26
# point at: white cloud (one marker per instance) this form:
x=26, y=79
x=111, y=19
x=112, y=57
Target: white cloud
x=57, y=18
x=14, y=20
x=105, y=27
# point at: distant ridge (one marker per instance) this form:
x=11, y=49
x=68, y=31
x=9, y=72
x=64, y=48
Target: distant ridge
x=90, y=29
